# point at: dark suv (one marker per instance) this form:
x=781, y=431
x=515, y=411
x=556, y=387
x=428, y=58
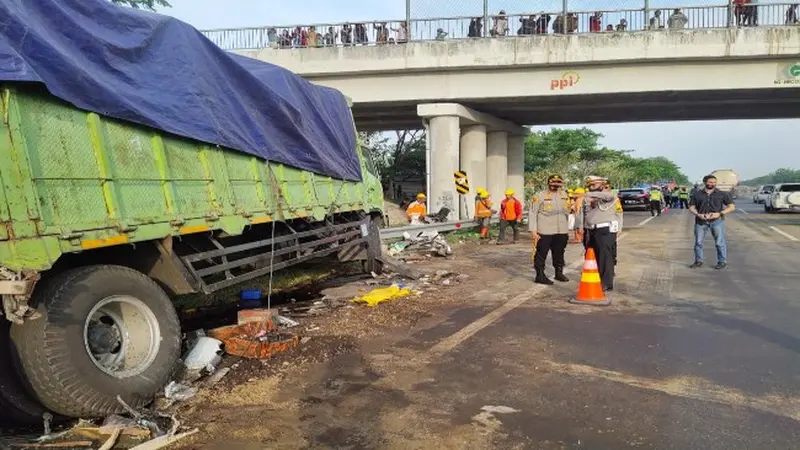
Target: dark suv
x=634, y=198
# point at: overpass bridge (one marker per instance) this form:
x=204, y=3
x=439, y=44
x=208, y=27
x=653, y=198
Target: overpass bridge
x=472, y=95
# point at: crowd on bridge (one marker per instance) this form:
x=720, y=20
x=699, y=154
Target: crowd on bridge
x=382, y=33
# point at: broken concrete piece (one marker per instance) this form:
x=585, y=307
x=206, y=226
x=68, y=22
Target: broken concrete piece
x=205, y=352
x=179, y=392
x=217, y=376
x=286, y=322
x=255, y=315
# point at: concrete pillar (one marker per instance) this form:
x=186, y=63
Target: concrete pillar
x=497, y=164
x=445, y=137
x=473, y=161
x=516, y=165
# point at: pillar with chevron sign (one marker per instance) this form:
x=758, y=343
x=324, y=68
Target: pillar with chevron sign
x=462, y=187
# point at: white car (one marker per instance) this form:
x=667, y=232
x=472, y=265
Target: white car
x=763, y=192
x=786, y=196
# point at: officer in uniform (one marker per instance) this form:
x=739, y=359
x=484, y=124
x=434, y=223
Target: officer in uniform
x=655, y=201
x=598, y=217
x=548, y=221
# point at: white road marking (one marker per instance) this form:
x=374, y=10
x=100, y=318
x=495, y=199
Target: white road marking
x=742, y=211
x=689, y=387
x=454, y=340
x=784, y=234
x=644, y=222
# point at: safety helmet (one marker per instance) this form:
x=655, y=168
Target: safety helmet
x=555, y=179
x=480, y=190
x=483, y=194
x=580, y=190
x=420, y=195
x=509, y=192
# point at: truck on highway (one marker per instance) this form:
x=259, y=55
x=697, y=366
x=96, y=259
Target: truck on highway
x=118, y=193
x=727, y=181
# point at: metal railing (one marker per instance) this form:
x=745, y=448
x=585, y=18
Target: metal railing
x=560, y=21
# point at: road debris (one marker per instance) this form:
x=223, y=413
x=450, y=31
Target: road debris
x=179, y=392
x=255, y=340
x=203, y=354
x=424, y=242
x=380, y=295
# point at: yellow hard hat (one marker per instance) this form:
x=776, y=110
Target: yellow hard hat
x=483, y=194
x=480, y=190
x=420, y=195
x=509, y=192
x=580, y=190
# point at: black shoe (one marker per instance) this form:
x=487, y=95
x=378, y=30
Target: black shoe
x=721, y=265
x=696, y=264
x=561, y=277
x=608, y=288
x=543, y=280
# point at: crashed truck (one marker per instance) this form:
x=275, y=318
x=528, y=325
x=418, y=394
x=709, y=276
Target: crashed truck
x=727, y=181
x=139, y=165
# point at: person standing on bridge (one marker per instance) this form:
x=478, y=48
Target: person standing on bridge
x=548, y=220
x=710, y=206
x=598, y=217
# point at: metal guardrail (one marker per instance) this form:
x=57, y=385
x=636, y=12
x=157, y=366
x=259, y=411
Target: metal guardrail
x=397, y=232
x=559, y=21
x=466, y=224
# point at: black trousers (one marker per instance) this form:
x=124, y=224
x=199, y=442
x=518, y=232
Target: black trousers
x=555, y=243
x=604, y=243
x=655, y=207
x=684, y=203
x=504, y=224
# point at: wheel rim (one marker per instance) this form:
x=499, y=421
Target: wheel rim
x=121, y=336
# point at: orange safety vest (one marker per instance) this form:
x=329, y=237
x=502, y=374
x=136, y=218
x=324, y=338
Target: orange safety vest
x=509, y=209
x=483, y=208
x=416, y=207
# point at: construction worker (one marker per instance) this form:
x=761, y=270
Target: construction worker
x=600, y=221
x=683, y=196
x=417, y=209
x=548, y=221
x=655, y=201
x=483, y=213
x=510, y=215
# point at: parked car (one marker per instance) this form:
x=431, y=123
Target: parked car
x=786, y=196
x=763, y=192
x=634, y=198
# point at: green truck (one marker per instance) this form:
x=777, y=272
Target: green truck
x=103, y=221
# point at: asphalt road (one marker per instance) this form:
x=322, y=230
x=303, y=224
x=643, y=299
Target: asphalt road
x=683, y=358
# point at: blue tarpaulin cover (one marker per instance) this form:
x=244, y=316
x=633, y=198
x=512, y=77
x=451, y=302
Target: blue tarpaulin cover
x=157, y=71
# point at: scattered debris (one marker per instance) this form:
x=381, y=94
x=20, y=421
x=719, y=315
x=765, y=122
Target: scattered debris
x=217, y=376
x=287, y=322
x=179, y=392
x=427, y=242
x=63, y=444
x=255, y=340
x=204, y=353
x=164, y=441
x=305, y=339
x=379, y=295
x=399, y=267
x=255, y=315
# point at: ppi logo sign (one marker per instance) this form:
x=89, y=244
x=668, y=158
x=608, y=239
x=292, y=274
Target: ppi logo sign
x=567, y=80
x=788, y=74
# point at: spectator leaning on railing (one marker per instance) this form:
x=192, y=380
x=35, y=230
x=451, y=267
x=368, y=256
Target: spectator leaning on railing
x=792, y=16
x=500, y=27
x=678, y=20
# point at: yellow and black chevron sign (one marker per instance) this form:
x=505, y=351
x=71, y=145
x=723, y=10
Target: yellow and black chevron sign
x=462, y=183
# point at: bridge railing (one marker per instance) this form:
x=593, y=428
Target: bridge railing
x=558, y=21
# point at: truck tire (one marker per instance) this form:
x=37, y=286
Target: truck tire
x=104, y=331
x=17, y=406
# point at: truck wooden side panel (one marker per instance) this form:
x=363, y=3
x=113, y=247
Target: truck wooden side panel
x=73, y=181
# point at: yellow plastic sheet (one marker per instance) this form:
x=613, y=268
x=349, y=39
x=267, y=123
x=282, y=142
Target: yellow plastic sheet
x=380, y=295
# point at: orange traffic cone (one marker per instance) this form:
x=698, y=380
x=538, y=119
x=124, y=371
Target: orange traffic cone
x=590, y=289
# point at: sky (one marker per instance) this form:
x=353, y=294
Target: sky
x=751, y=148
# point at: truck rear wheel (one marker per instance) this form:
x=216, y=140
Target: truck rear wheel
x=17, y=406
x=104, y=331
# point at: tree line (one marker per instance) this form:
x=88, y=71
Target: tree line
x=784, y=175
x=572, y=153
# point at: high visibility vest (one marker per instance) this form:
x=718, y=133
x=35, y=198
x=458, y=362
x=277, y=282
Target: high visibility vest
x=655, y=195
x=483, y=208
x=509, y=209
x=416, y=208
x=684, y=195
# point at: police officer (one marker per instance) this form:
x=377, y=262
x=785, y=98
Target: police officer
x=655, y=201
x=598, y=217
x=548, y=221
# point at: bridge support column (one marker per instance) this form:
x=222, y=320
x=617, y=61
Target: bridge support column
x=497, y=164
x=473, y=161
x=445, y=136
x=516, y=166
